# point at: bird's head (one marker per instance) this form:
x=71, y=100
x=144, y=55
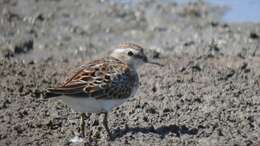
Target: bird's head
x=132, y=54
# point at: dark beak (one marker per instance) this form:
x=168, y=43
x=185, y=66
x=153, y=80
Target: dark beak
x=151, y=62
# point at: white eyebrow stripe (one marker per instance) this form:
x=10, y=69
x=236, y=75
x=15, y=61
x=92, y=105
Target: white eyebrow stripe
x=119, y=50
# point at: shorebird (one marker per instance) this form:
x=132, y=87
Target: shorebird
x=102, y=84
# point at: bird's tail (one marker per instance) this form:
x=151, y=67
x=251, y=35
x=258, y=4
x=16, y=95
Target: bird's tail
x=49, y=93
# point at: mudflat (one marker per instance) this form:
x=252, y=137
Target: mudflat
x=207, y=92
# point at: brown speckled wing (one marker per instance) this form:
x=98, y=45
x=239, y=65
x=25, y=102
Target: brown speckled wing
x=102, y=79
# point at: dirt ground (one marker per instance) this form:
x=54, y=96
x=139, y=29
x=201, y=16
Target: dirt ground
x=206, y=94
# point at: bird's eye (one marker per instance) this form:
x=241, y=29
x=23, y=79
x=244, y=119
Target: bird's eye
x=130, y=53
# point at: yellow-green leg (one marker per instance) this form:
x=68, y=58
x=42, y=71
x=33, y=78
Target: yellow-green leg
x=105, y=122
x=82, y=124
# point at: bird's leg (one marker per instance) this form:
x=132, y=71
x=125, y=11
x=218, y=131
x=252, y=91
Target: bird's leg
x=82, y=124
x=105, y=125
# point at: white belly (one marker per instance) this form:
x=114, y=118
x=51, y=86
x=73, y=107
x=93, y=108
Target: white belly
x=91, y=105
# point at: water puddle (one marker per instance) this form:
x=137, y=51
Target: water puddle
x=237, y=10
x=240, y=10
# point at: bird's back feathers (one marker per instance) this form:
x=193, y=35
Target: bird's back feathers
x=101, y=79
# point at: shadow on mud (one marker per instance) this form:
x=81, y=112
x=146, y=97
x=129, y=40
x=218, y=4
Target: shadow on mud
x=162, y=131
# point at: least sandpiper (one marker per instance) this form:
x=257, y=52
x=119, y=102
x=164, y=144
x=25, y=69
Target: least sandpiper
x=102, y=84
